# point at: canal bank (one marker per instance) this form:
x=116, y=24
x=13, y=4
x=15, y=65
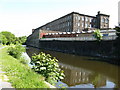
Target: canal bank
x=78, y=43
x=107, y=49
x=83, y=72
x=19, y=74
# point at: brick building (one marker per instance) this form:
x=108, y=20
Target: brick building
x=74, y=22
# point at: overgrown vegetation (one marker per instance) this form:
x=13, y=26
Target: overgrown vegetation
x=7, y=38
x=98, y=35
x=16, y=51
x=48, y=67
x=20, y=75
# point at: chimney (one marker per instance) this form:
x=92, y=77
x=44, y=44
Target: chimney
x=33, y=30
x=98, y=12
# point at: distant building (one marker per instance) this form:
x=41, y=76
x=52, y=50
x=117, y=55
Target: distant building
x=119, y=13
x=74, y=22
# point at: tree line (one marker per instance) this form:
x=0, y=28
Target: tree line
x=7, y=38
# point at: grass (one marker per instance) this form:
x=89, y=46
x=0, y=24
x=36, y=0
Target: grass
x=20, y=75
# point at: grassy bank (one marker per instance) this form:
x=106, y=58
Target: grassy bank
x=20, y=75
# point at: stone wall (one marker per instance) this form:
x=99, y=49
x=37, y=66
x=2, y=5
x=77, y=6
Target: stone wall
x=87, y=48
x=104, y=48
x=33, y=39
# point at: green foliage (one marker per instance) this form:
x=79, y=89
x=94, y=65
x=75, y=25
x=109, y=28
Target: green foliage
x=48, y=67
x=98, y=35
x=9, y=36
x=21, y=40
x=96, y=80
x=16, y=51
x=20, y=75
x=23, y=60
x=3, y=39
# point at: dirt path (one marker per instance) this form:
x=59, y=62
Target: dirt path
x=4, y=80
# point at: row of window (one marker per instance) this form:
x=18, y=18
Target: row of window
x=81, y=18
x=86, y=25
x=105, y=20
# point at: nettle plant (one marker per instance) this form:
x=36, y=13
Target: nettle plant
x=47, y=66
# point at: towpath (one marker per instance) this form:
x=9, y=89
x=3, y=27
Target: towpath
x=3, y=78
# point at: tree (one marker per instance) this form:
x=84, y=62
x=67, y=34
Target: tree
x=3, y=39
x=22, y=39
x=9, y=36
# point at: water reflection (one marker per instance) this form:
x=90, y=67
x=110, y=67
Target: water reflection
x=77, y=76
x=83, y=72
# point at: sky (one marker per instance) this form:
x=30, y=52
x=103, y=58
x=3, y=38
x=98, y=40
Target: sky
x=21, y=16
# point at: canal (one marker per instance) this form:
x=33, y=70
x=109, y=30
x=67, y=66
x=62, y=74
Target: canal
x=83, y=72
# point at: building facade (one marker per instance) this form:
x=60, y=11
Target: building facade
x=119, y=13
x=74, y=22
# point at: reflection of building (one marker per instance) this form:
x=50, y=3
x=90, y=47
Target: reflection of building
x=74, y=22
x=119, y=13
x=75, y=76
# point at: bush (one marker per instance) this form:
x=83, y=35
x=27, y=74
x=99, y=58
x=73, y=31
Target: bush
x=16, y=51
x=48, y=67
x=98, y=35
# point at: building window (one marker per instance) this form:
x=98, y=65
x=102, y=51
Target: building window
x=86, y=25
x=106, y=20
x=90, y=19
x=94, y=20
x=68, y=23
x=78, y=24
x=103, y=20
x=78, y=18
x=90, y=25
x=82, y=18
x=82, y=24
x=86, y=19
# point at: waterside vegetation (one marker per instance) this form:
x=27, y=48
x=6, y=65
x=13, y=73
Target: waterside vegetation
x=98, y=35
x=16, y=67
x=48, y=66
x=19, y=74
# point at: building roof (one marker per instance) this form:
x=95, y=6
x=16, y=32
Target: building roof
x=83, y=14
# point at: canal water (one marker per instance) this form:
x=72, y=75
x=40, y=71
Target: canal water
x=83, y=72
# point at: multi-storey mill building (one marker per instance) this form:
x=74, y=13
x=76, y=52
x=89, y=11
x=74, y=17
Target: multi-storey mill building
x=74, y=22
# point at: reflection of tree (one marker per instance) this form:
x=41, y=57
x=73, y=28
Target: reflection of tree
x=117, y=85
x=98, y=80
